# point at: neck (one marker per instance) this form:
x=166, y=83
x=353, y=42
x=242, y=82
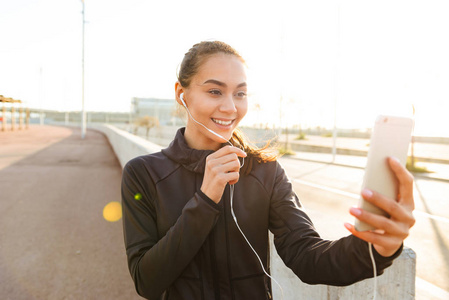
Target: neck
x=196, y=139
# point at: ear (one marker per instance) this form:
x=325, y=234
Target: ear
x=179, y=89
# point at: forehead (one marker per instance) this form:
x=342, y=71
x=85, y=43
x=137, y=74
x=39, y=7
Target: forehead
x=223, y=67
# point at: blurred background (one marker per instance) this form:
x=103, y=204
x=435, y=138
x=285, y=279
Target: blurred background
x=311, y=65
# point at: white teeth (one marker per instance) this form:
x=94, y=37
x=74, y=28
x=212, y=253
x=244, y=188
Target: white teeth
x=225, y=123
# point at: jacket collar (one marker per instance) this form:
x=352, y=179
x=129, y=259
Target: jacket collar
x=192, y=159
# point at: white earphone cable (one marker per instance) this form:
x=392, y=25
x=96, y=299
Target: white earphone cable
x=232, y=200
x=231, y=188
x=370, y=248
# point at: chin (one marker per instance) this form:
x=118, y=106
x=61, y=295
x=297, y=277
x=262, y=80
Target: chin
x=226, y=136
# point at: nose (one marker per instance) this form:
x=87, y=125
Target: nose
x=228, y=105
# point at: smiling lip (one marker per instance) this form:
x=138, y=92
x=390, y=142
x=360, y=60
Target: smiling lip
x=222, y=122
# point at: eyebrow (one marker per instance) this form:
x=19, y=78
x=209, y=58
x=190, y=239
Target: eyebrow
x=219, y=83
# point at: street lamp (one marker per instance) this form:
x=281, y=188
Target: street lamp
x=336, y=95
x=83, y=112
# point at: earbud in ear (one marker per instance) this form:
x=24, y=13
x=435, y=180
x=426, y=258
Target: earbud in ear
x=181, y=96
x=182, y=100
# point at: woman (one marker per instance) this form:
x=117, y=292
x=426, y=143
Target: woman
x=181, y=239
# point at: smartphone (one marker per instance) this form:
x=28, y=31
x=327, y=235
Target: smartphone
x=390, y=137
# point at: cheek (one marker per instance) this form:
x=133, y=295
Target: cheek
x=203, y=109
x=243, y=109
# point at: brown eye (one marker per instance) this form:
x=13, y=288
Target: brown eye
x=241, y=94
x=215, y=92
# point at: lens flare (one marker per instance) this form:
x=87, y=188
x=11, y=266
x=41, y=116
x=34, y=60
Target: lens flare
x=112, y=212
x=138, y=196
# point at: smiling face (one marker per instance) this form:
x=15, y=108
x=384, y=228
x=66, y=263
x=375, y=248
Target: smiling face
x=216, y=98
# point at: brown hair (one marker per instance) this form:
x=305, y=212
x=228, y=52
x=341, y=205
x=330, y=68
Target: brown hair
x=196, y=56
x=190, y=65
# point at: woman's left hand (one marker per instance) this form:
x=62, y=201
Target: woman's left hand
x=392, y=231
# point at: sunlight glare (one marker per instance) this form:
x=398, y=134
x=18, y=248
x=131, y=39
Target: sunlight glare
x=112, y=212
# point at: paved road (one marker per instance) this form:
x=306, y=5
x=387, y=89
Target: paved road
x=327, y=191
x=54, y=242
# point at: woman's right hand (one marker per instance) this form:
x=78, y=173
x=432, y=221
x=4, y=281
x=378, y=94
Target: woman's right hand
x=222, y=167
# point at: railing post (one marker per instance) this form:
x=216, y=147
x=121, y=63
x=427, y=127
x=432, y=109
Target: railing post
x=20, y=118
x=27, y=118
x=13, y=118
x=3, y=117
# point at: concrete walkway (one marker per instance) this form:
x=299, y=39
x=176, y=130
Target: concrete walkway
x=54, y=241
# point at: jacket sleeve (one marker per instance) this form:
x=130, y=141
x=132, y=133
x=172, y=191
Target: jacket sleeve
x=312, y=259
x=156, y=262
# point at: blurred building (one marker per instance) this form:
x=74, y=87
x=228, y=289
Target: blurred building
x=166, y=110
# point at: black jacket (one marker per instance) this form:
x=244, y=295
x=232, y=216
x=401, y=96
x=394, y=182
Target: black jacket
x=182, y=245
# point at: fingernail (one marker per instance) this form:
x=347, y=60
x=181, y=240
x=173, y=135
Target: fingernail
x=367, y=193
x=395, y=159
x=355, y=211
x=348, y=226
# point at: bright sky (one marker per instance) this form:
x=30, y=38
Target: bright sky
x=362, y=57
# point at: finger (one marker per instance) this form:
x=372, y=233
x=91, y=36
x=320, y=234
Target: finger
x=234, y=181
x=232, y=149
x=231, y=166
x=388, y=226
x=396, y=210
x=405, y=179
x=223, y=160
x=228, y=163
x=231, y=177
x=231, y=157
x=221, y=156
x=385, y=241
x=220, y=171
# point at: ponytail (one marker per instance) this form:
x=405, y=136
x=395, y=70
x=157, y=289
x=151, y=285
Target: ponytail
x=261, y=155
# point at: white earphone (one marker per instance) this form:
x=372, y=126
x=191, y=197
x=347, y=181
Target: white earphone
x=211, y=131
x=182, y=99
